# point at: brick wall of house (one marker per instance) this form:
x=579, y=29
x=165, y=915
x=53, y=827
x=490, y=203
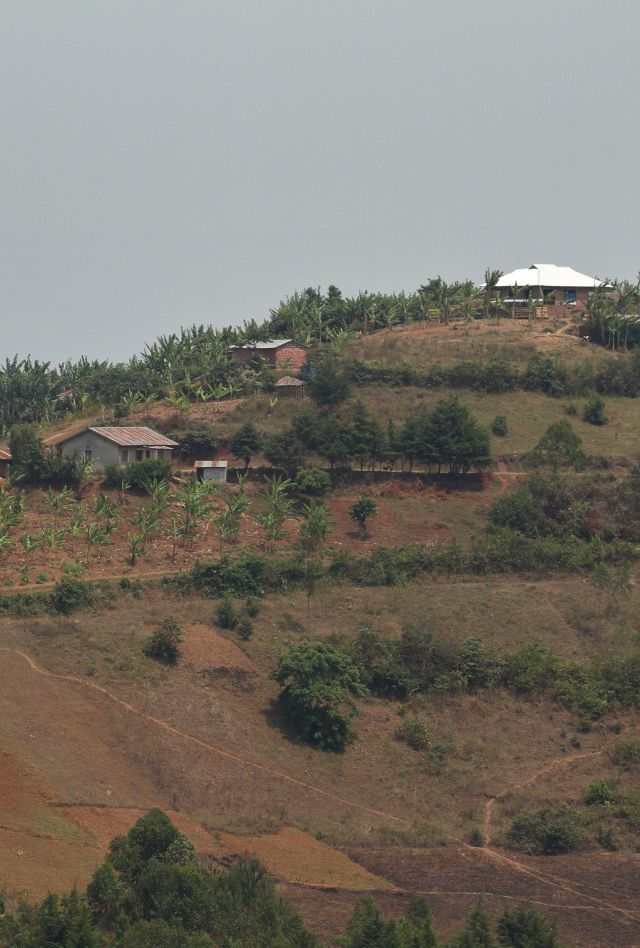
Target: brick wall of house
x=290, y=358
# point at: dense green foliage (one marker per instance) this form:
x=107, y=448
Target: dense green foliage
x=139, y=474
x=319, y=684
x=548, y=832
x=152, y=890
x=245, y=443
x=33, y=465
x=419, y=663
x=565, y=505
x=449, y=438
x=164, y=643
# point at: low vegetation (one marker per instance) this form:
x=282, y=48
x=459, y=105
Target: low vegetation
x=152, y=891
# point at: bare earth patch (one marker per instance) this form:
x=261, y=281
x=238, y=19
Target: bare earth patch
x=294, y=856
x=206, y=650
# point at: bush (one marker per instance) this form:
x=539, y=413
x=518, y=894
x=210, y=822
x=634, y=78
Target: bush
x=252, y=607
x=414, y=733
x=70, y=594
x=627, y=753
x=139, y=474
x=598, y=794
x=164, y=643
x=518, y=510
x=499, y=426
x=245, y=628
x=476, y=837
x=548, y=832
x=227, y=613
x=313, y=481
x=197, y=442
x=593, y=411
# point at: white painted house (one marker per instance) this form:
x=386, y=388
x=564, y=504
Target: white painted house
x=114, y=445
x=548, y=283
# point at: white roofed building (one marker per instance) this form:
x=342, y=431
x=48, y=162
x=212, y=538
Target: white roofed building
x=550, y=285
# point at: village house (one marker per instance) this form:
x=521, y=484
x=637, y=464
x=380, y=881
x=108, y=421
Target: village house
x=283, y=354
x=288, y=387
x=104, y=446
x=549, y=285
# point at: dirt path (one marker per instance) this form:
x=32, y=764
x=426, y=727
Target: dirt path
x=545, y=877
x=205, y=745
x=576, y=890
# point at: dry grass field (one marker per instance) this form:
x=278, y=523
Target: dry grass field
x=93, y=732
x=115, y=733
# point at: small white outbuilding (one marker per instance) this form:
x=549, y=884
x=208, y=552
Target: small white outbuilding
x=211, y=471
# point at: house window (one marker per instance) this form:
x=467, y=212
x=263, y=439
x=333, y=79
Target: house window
x=139, y=455
x=569, y=296
x=124, y=456
x=87, y=454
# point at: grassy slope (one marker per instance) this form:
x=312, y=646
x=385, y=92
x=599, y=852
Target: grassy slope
x=84, y=744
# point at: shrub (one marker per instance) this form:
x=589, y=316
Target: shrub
x=70, y=594
x=198, y=441
x=518, y=510
x=627, y=753
x=593, y=411
x=245, y=628
x=360, y=511
x=227, y=613
x=475, y=837
x=313, y=481
x=570, y=409
x=414, y=733
x=598, y=794
x=164, y=643
x=252, y=607
x=499, y=426
x=139, y=474
x=546, y=832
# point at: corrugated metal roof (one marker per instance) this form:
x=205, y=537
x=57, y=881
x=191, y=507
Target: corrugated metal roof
x=135, y=437
x=58, y=437
x=5, y=455
x=270, y=344
x=289, y=380
x=547, y=274
x=199, y=464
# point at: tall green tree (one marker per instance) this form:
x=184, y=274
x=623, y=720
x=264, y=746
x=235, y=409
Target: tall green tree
x=319, y=684
x=245, y=442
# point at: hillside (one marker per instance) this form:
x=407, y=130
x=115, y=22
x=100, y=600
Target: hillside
x=501, y=656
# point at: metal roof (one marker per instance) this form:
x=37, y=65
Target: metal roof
x=547, y=274
x=135, y=437
x=199, y=464
x=5, y=455
x=289, y=380
x=269, y=344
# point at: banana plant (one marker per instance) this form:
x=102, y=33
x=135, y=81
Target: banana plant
x=136, y=547
x=54, y=540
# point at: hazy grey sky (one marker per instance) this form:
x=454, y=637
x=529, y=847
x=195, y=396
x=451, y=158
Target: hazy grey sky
x=166, y=162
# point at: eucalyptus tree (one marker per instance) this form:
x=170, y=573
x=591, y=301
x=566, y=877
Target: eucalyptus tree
x=313, y=531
